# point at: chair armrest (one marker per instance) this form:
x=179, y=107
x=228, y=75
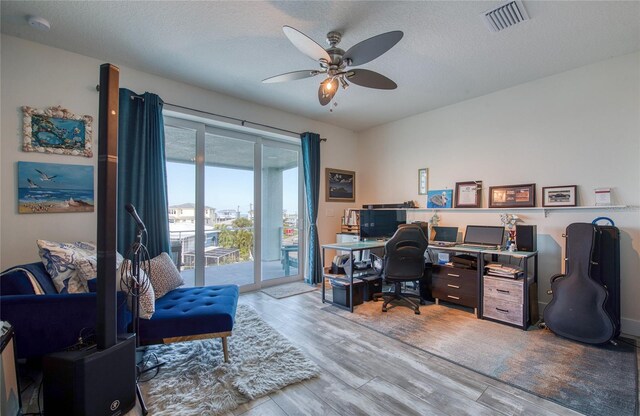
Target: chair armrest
x=48, y=323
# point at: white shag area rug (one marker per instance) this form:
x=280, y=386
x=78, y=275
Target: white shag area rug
x=195, y=380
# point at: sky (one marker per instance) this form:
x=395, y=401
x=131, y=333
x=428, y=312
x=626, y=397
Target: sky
x=224, y=188
x=63, y=176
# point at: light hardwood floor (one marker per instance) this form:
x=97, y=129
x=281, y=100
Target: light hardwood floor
x=365, y=373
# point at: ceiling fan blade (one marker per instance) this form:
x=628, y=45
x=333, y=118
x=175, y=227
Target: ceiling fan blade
x=325, y=95
x=371, y=79
x=292, y=76
x=370, y=49
x=305, y=44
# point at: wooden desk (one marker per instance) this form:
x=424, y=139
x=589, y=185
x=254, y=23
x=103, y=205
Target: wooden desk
x=467, y=287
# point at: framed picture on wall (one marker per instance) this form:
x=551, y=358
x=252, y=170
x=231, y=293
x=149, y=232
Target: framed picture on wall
x=442, y=198
x=340, y=185
x=512, y=196
x=51, y=187
x=423, y=180
x=56, y=130
x=468, y=194
x=559, y=196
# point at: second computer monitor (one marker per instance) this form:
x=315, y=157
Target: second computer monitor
x=444, y=234
x=484, y=235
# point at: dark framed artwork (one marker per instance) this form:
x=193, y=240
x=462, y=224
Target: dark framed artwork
x=559, y=196
x=340, y=185
x=512, y=196
x=469, y=194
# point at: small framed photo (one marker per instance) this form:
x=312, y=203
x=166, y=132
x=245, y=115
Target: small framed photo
x=512, y=196
x=340, y=185
x=56, y=130
x=559, y=196
x=442, y=198
x=423, y=180
x=468, y=194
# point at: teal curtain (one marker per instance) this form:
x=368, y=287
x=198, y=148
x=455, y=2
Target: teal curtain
x=142, y=177
x=311, y=165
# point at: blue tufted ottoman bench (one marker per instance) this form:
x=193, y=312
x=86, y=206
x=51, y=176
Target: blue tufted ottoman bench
x=187, y=314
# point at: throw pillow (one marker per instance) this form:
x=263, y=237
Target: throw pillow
x=60, y=260
x=164, y=275
x=87, y=271
x=147, y=297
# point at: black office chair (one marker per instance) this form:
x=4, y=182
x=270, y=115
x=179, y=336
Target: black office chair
x=403, y=262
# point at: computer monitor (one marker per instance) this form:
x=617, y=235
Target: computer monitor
x=484, y=234
x=444, y=234
x=381, y=223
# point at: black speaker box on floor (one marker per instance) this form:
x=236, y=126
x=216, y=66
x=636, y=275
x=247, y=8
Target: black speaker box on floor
x=91, y=382
x=526, y=237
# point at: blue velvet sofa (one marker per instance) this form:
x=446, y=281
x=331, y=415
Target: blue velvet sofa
x=50, y=322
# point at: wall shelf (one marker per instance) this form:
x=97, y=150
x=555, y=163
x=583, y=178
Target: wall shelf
x=544, y=210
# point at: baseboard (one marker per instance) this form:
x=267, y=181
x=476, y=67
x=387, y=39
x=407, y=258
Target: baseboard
x=628, y=326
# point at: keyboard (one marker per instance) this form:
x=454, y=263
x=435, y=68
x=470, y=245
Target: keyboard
x=443, y=243
x=478, y=246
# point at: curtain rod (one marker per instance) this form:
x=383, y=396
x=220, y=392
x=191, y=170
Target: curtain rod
x=241, y=121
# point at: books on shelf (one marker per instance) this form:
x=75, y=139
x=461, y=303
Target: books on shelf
x=350, y=217
x=503, y=270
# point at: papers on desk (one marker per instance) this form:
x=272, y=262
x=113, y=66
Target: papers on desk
x=503, y=270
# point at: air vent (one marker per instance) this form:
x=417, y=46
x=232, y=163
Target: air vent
x=505, y=16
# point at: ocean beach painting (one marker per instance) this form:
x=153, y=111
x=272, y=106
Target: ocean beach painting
x=54, y=187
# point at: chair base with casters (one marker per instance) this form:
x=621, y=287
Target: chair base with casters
x=398, y=294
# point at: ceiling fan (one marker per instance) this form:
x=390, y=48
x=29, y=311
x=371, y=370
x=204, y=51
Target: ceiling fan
x=335, y=63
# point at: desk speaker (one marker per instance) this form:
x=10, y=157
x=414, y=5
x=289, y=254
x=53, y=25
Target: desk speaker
x=526, y=237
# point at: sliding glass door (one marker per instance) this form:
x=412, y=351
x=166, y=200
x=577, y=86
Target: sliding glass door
x=180, y=151
x=280, y=211
x=229, y=199
x=234, y=198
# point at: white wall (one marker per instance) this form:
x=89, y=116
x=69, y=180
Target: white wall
x=40, y=76
x=579, y=127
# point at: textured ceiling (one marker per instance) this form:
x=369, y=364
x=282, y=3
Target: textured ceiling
x=446, y=56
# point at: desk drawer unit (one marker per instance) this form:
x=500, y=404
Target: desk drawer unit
x=503, y=289
x=502, y=310
x=455, y=285
x=503, y=299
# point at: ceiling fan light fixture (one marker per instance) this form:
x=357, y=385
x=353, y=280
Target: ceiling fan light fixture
x=335, y=62
x=330, y=85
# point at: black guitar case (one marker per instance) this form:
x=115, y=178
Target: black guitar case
x=586, y=300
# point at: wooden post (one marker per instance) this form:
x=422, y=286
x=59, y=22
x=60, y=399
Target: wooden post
x=106, y=333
